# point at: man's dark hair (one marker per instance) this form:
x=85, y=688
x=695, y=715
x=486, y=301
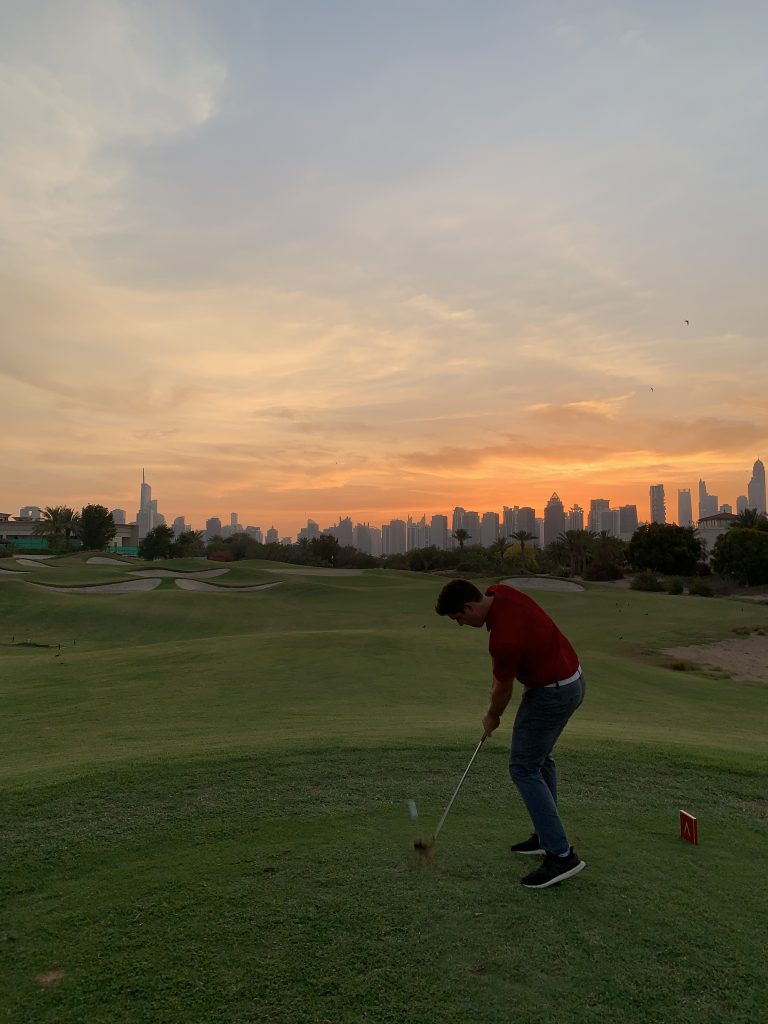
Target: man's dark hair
x=455, y=595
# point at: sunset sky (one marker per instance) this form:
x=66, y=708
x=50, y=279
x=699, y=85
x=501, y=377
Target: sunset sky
x=319, y=258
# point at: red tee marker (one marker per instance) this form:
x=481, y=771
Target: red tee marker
x=689, y=829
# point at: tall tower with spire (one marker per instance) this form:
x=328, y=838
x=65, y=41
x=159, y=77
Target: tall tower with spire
x=756, y=488
x=146, y=515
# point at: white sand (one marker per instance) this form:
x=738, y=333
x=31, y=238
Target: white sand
x=33, y=563
x=169, y=574
x=99, y=560
x=537, y=583
x=128, y=587
x=187, y=584
x=743, y=658
x=312, y=570
x=13, y=572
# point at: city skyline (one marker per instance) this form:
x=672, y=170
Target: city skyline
x=149, y=513
x=304, y=259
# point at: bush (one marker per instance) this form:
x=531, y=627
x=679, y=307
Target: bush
x=676, y=585
x=221, y=556
x=646, y=581
x=602, y=572
x=700, y=589
x=562, y=572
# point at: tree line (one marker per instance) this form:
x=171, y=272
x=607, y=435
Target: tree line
x=740, y=553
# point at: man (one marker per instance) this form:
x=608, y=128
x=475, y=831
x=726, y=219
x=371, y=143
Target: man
x=525, y=643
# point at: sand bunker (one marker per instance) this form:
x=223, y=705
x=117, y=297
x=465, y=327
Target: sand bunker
x=538, y=583
x=13, y=572
x=187, y=584
x=33, y=563
x=745, y=658
x=311, y=570
x=128, y=587
x=167, y=573
x=99, y=560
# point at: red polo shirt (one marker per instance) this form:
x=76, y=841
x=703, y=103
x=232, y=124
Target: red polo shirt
x=524, y=642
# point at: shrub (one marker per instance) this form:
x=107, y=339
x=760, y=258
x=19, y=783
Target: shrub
x=700, y=589
x=645, y=581
x=676, y=585
x=562, y=572
x=221, y=556
x=602, y=572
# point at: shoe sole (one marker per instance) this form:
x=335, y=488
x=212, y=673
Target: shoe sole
x=529, y=853
x=560, y=878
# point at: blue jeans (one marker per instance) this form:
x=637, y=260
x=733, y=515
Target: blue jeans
x=541, y=717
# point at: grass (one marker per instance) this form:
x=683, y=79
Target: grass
x=204, y=813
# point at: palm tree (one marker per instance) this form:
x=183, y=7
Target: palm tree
x=577, y=545
x=498, y=548
x=461, y=536
x=522, y=536
x=751, y=519
x=57, y=523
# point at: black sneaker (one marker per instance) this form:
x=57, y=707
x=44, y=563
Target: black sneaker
x=530, y=846
x=553, y=870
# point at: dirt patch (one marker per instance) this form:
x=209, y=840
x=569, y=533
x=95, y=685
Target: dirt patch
x=47, y=978
x=745, y=658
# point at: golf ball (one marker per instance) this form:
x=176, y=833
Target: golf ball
x=412, y=809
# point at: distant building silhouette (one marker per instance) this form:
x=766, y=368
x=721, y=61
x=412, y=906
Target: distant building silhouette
x=575, y=518
x=756, y=488
x=596, y=506
x=684, y=507
x=554, y=520
x=489, y=528
x=438, y=532
x=707, y=502
x=658, y=504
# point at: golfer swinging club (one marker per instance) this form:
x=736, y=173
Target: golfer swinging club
x=525, y=643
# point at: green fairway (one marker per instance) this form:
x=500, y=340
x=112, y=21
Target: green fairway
x=204, y=809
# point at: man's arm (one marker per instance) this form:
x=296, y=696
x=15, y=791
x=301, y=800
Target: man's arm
x=500, y=695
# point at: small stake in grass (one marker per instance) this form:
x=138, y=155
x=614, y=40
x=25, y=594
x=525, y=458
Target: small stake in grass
x=689, y=828
x=425, y=848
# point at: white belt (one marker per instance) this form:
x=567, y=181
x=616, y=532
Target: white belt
x=563, y=682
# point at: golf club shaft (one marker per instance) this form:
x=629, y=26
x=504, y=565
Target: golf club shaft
x=461, y=780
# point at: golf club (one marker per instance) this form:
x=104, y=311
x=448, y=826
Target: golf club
x=424, y=847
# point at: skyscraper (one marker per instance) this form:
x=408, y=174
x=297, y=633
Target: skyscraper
x=627, y=521
x=438, y=532
x=707, y=502
x=489, y=528
x=457, y=523
x=756, y=488
x=145, y=517
x=526, y=520
x=212, y=527
x=658, y=505
x=595, y=506
x=684, y=507
x=554, y=519
x=472, y=526
x=575, y=518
